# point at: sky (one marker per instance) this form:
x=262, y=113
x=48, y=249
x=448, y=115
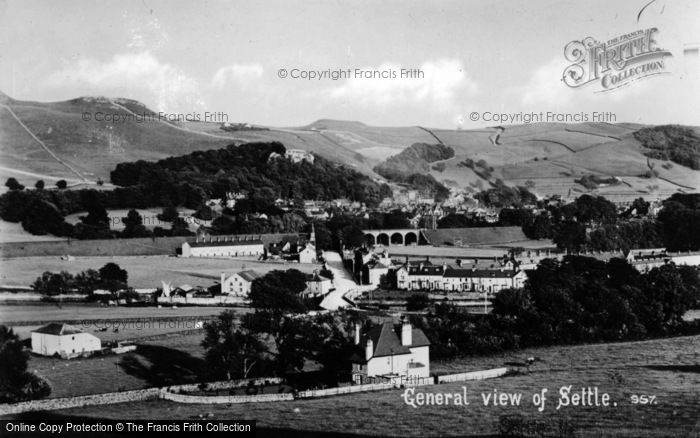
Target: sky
x=484, y=57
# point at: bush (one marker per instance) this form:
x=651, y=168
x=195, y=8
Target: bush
x=417, y=302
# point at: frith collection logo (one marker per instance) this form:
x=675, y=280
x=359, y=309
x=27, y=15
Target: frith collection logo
x=615, y=63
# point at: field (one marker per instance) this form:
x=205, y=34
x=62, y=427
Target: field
x=144, y=271
x=667, y=368
x=28, y=313
x=167, y=360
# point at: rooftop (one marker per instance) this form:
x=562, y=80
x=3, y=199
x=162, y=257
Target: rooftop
x=386, y=340
x=226, y=243
x=249, y=275
x=57, y=329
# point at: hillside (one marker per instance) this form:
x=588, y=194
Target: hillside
x=416, y=158
x=50, y=141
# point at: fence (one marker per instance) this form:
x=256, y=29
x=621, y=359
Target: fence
x=474, y=375
x=203, y=301
x=168, y=393
x=227, y=384
x=344, y=390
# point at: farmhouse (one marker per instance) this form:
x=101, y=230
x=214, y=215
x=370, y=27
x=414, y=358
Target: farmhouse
x=389, y=351
x=224, y=246
x=64, y=340
x=238, y=284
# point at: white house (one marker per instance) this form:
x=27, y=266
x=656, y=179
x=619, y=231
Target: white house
x=420, y=276
x=389, y=351
x=308, y=254
x=223, y=246
x=238, y=284
x=482, y=280
x=64, y=340
x=378, y=266
x=317, y=285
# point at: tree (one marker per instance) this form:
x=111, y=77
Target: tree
x=352, y=236
x=323, y=236
x=279, y=290
x=204, y=212
x=231, y=351
x=180, y=227
x=42, y=217
x=13, y=184
x=417, y=302
x=133, y=225
x=87, y=281
x=16, y=383
x=50, y=283
x=39, y=185
x=454, y=220
x=113, y=277
x=169, y=213
x=61, y=184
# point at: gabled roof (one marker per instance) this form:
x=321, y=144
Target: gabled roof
x=57, y=329
x=249, y=275
x=386, y=341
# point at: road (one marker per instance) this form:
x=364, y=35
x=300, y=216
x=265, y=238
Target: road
x=343, y=282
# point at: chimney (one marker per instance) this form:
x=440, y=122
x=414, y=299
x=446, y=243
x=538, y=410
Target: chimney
x=223, y=279
x=357, y=333
x=369, y=349
x=406, y=334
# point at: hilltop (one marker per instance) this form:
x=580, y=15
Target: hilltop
x=51, y=141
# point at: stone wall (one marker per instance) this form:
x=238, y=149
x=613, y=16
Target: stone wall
x=226, y=399
x=77, y=402
x=474, y=375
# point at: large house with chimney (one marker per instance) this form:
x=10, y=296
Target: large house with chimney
x=387, y=352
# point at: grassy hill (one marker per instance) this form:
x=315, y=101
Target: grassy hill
x=51, y=141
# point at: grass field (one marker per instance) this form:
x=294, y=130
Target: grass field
x=169, y=360
x=144, y=271
x=666, y=368
x=87, y=312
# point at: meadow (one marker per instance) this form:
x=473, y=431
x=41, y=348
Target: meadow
x=144, y=271
x=669, y=369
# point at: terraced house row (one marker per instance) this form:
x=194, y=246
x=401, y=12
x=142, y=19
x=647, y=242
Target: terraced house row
x=426, y=276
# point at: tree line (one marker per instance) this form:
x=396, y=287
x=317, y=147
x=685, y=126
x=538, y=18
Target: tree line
x=576, y=300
